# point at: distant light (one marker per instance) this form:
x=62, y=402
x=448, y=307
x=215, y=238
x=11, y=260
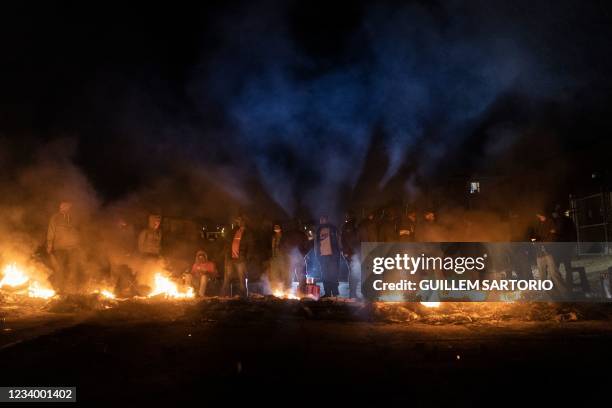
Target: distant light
x=474, y=187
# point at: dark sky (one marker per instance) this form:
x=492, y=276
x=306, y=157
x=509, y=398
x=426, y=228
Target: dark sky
x=308, y=101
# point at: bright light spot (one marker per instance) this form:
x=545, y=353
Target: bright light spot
x=284, y=295
x=13, y=276
x=431, y=304
x=164, y=286
x=105, y=293
x=35, y=291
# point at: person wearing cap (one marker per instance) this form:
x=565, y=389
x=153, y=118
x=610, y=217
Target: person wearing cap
x=63, y=242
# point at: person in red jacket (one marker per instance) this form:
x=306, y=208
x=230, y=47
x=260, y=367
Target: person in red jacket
x=202, y=271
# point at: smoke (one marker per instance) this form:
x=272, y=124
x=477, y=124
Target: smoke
x=285, y=116
x=425, y=77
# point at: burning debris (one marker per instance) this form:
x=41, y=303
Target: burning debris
x=18, y=282
x=166, y=288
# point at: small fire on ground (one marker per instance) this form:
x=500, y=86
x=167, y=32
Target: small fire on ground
x=163, y=286
x=17, y=280
x=284, y=295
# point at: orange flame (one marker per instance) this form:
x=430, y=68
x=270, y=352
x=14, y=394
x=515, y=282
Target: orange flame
x=14, y=277
x=164, y=286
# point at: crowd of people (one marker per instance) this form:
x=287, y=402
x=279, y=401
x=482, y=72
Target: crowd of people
x=273, y=259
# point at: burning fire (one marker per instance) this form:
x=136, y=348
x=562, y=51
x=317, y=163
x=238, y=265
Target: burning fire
x=35, y=291
x=431, y=304
x=164, y=286
x=105, y=293
x=15, y=277
x=284, y=295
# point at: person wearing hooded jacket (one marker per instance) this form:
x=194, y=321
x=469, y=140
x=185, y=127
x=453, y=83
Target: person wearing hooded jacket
x=327, y=250
x=63, y=247
x=202, y=271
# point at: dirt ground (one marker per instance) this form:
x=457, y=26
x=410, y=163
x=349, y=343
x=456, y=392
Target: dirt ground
x=258, y=351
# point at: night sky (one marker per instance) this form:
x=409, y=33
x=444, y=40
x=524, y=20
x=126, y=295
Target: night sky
x=304, y=105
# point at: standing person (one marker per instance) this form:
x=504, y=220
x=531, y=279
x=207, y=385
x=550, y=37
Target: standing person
x=238, y=252
x=429, y=230
x=63, y=247
x=202, y=271
x=351, y=246
x=280, y=269
x=327, y=250
x=565, y=231
x=407, y=227
x=567, y=236
x=388, y=227
x=150, y=238
x=545, y=231
x=368, y=230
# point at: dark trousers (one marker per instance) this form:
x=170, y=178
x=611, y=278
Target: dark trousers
x=235, y=269
x=330, y=269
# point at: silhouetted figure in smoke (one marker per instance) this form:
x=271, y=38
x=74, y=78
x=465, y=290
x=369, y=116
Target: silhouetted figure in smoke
x=521, y=256
x=407, y=227
x=327, y=250
x=388, y=227
x=120, y=247
x=429, y=230
x=565, y=231
x=368, y=232
x=351, y=246
x=150, y=238
x=238, y=253
x=280, y=274
x=63, y=247
x=545, y=231
x=368, y=228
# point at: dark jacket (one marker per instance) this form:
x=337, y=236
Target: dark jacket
x=565, y=229
x=368, y=231
x=333, y=236
x=349, y=236
x=544, y=231
x=388, y=231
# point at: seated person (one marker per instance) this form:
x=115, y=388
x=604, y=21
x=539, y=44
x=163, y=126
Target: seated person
x=201, y=272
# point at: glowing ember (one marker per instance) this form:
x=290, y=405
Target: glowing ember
x=284, y=295
x=164, y=286
x=13, y=276
x=431, y=304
